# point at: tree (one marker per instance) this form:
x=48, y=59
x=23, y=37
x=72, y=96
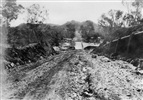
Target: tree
x=69, y=31
x=87, y=32
x=134, y=15
x=110, y=22
x=52, y=34
x=127, y=4
x=129, y=19
x=112, y=19
x=137, y=4
x=10, y=10
x=36, y=14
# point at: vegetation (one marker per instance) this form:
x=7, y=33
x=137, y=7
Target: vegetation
x=35, y=71
x=10, y=10
x=116, y=23
x=88, y=32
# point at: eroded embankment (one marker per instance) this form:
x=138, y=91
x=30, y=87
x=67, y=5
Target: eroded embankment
x=76, y=75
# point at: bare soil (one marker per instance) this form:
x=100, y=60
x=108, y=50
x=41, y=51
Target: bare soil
x=74, y=75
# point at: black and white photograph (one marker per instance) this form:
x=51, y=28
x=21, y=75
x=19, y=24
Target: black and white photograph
x=71, y=49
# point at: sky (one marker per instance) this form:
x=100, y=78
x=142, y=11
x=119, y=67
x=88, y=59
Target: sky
x=62, y=11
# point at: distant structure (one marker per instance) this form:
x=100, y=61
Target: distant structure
x=79, y=44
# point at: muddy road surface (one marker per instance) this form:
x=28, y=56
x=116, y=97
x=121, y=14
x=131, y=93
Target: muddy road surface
x=74, y=75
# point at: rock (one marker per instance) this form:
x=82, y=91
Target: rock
x=140, y=66
x=105, y=59
x=56, y=48
x=135, y=62
x=76, y=75
x=87, y=94
x=94, y=56
x=84, y=69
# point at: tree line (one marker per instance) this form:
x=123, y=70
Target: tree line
x=111, y=25
x=116, y=23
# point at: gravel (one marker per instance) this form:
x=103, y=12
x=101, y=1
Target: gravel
x=76, y=75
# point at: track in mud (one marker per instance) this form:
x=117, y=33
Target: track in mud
x=75, y=75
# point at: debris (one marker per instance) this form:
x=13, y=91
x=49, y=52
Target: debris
x=75, y=75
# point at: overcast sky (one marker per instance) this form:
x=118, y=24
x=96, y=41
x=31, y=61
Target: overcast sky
x=63, y=11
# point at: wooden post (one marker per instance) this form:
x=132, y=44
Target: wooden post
x=117, y=46
x=110, y=45
x=129, y=42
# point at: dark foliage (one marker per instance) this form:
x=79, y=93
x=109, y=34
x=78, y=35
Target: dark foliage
x=126, y=31
x=88, y=32
x=30, y=53
x=29, y=33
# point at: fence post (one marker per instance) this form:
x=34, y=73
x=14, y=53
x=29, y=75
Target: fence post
x=129, y=42
x=110, y=45
x=117, y=46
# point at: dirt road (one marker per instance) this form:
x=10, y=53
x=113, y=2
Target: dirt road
x=75, y=75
